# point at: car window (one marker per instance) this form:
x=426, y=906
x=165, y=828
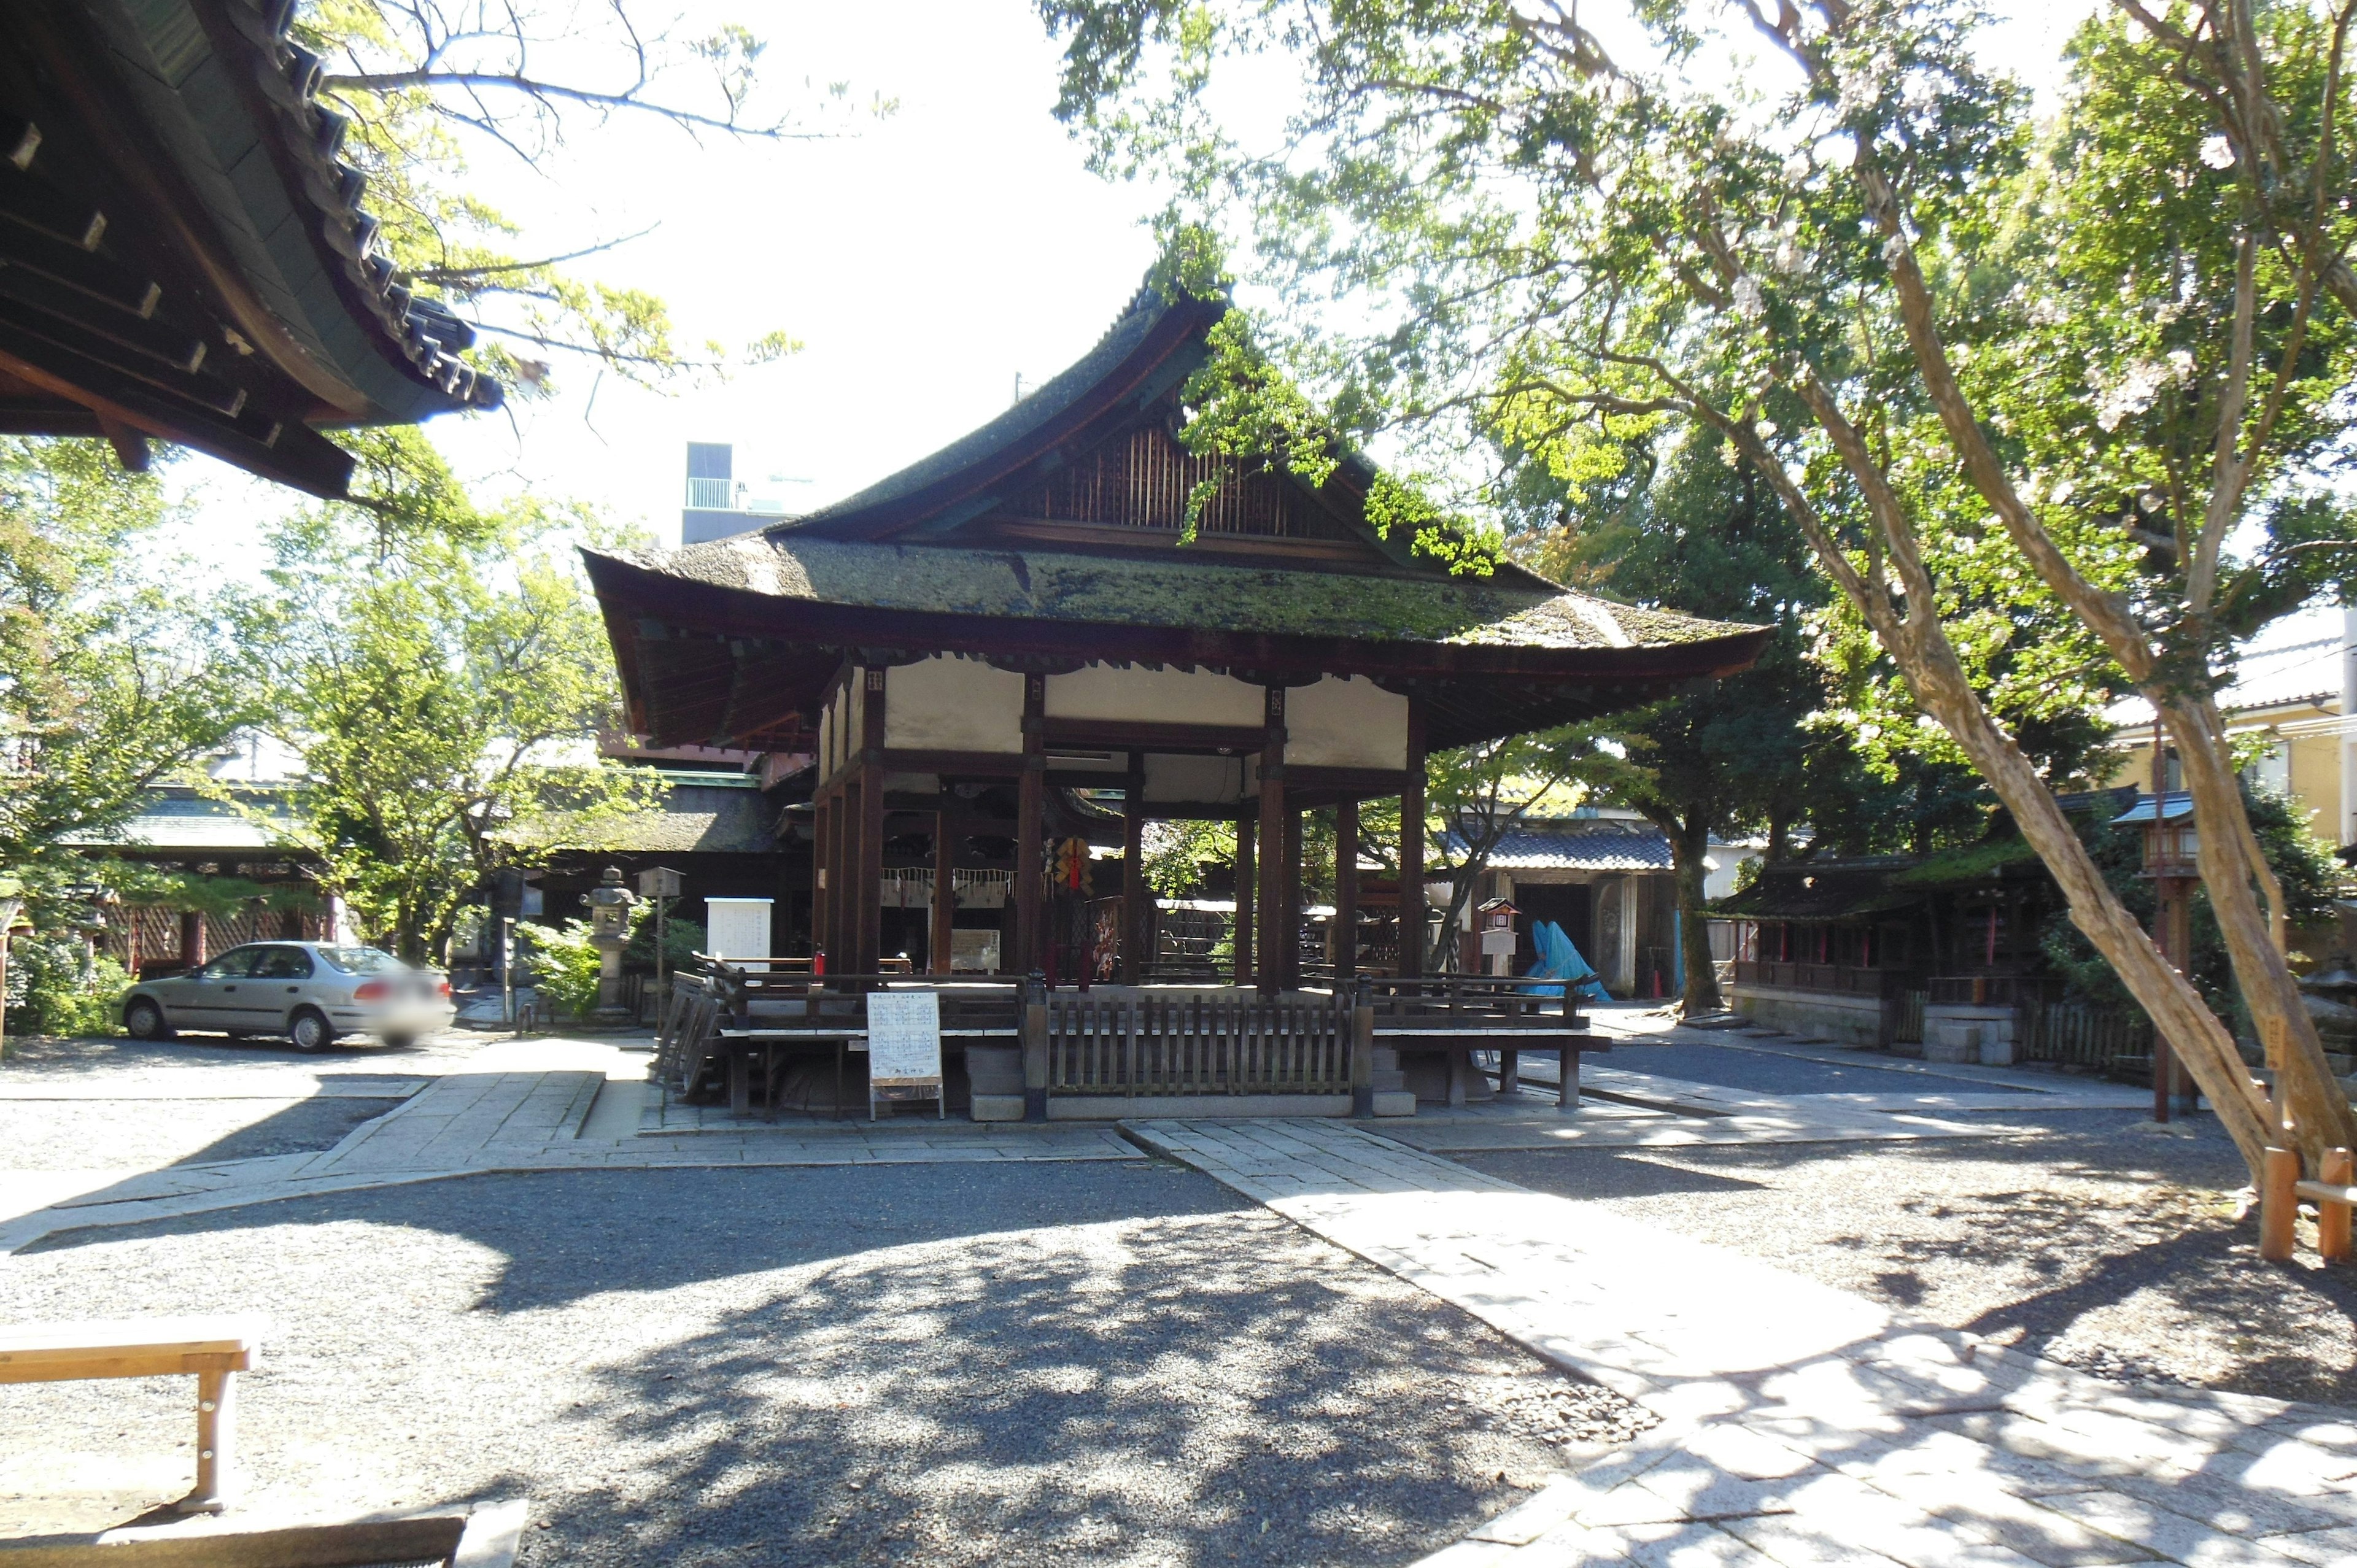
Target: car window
x=362, y=960
x=235, y=964
x=284, y=964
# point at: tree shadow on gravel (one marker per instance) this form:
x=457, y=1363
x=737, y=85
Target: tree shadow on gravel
x=1118, y=1394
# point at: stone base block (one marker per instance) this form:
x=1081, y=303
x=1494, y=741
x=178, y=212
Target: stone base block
x=998, y=1107
x=1394, y=1102
x=1851, y=1021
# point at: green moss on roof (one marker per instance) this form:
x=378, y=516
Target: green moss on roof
x=1173, y=592
x=1964, y=864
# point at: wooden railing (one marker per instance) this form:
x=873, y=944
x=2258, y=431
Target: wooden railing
x=1449, y=1002
x=2075, y=1034
x=1842, y=979
x=1235, y=1044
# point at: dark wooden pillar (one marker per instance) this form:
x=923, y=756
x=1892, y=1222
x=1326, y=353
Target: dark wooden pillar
x=871, y=823
x=1271, y=969
x=1346, y=891
x=192, y=937
x=1247, y=884
x=1030, y=800
x=944, y=893
x=822, y=825
x=1410, y=853
x=1135, y=900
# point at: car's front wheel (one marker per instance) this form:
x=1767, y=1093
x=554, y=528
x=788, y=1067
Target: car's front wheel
x=310, y=1031
x=143, y=1020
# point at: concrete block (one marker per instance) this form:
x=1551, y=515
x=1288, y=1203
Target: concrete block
x=998, y=1107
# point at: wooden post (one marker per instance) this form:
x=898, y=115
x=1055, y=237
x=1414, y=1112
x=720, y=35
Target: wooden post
x=1271, y=969
x=1411, y=850
x=1363, y=1048
x=840, y=945
x=871, y=823
x=944, y=892
x=2332, y=1220
x=2278, y=1204
x=819, y=830
x=1346, y=891
x=1133, y=899
x=1241, y=937
x=1567, y=1093
x=1031, y=800
x=1035, y=1051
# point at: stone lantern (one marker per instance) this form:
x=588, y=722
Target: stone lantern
x=609, y=931
x=1495, y=919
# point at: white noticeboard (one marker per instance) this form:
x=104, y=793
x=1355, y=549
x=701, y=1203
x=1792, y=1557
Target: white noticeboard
x=736, y=928
x=904, y=1047
x=1501, y=941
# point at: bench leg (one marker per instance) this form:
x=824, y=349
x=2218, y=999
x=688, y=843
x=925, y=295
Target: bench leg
x=1509, y=1070
x=2332, y=1220
x=216, y=1420
x=740, y=1083
x=1566, y=1072
x=1457, y=1067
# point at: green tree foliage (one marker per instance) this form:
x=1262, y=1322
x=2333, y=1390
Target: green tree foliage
x=442, y=675
x=1475, y=795
x=1983, y=363
x=425, y=83
x=114, y=674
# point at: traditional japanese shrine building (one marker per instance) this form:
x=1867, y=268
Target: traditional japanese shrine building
x=989, y=647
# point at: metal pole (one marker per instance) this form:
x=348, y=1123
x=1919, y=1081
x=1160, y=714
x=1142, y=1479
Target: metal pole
x=507, y=970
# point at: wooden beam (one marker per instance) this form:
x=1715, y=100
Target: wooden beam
x=1346, y=890
x=1363, y=782
x=1272, y=969
x=1030, y=888
x=819, y=830
x=1411, y=849
x=977, y=764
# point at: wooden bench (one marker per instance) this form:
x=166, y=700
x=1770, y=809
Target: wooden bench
x=2335, y=1196
x=213, y=1348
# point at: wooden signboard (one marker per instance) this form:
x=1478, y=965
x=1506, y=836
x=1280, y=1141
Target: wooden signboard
x=904, y=1048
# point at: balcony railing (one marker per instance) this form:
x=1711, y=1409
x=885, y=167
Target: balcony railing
x=1988, y=989
x=711, y=495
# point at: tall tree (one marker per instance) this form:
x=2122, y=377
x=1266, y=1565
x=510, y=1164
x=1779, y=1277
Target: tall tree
x=442, y=677
x=114, y=675
x=2080, y=360
x=1694, y=534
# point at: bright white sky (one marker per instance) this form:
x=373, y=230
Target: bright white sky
x=924, y=262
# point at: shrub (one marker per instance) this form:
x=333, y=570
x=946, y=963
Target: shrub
x=56, y=988
x=564, y=968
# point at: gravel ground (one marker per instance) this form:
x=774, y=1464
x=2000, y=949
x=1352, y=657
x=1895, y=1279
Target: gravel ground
x=148, y=1134
x=2111, y=1245
x=1766, y=1073
x=955, y=1364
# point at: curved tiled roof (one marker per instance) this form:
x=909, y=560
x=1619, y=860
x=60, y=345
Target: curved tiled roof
x=426, y=336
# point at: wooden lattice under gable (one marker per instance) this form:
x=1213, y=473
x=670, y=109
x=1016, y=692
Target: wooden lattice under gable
x=1144, y=480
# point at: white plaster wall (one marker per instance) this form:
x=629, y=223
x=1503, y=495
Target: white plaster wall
x=1345, y=721
x=829, y=753
x=1160, y=697
x=855, y=709
x=947, y=703
x=1210, y=779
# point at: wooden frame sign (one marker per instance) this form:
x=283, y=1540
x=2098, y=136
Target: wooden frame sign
x=904, y=1048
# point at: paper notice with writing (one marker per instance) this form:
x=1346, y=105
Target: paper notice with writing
x=904, y=1036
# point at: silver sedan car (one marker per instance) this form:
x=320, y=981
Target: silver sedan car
x=312, y=993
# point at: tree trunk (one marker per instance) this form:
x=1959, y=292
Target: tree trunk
x=1688, y=849
x=2320, y=1118
x=2201, y=1042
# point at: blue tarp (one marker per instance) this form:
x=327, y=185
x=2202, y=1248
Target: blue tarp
x=1559, y=960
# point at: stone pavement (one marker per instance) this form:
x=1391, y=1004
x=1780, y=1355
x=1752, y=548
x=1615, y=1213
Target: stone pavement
x=1802, y=1425
x=472, y=1124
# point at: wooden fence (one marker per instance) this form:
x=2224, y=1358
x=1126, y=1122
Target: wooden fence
x=1219, y=1045
x=2074, y=1033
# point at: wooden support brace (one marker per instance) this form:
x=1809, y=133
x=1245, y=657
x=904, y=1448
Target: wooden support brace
x=216, y=1427
x=2278, y=1204
x=1567, y=1093
x=2336, y=1201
